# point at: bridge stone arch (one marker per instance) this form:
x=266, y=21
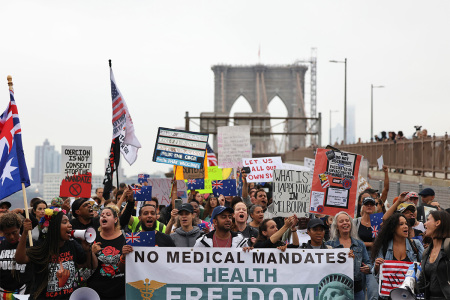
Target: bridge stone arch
x=259, y=84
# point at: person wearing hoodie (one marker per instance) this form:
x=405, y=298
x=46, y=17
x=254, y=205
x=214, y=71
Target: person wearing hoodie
x=186, y=233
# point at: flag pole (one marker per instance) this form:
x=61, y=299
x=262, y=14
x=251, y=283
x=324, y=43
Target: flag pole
x=25, y=202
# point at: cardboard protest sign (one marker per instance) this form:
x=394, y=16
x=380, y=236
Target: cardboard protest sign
x=234, y=145
x=161, y=189
x=294, y=167
x=362, y=184
x=214, y=173
x=230, y=273
x=180, y=148
x=335, y=182
x=191, y=173
x=76, y=160
x=291, y=192
x=261, y=169
x=78, y=185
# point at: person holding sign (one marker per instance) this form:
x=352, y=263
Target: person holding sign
x=435, y=278
x=343, y=235
x=392, y=243
x=270, y=237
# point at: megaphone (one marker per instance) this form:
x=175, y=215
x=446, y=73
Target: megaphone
x=87, y=235
x=84, y=293
x=406, y=290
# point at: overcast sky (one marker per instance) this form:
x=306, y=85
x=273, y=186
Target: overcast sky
x=162, y=53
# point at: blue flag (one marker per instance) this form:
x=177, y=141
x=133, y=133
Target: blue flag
x=143, y=193
x=141, y=239
x=195, y=184
x=240, y=185
x=13, y=169
x=143, y=178
x=375, y=221
x=224, y=187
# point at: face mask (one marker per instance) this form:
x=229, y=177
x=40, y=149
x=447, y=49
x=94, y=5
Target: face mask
x=411, y=222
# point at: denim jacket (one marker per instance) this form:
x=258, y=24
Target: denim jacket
x=409, y=252
x=360, y=252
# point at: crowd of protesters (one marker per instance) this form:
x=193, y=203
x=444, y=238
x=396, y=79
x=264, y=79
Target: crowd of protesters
x=57, y=264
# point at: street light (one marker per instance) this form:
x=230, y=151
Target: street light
x=331, y=111
x=371, y=108
x=345, y=96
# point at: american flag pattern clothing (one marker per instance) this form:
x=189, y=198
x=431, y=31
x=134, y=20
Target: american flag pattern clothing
x=13, y=168
x=141, y=239
x=224, y=187
x=195, y=184
x=212, y=159
x=143, y=193
x=392, y=275
x=123, y=124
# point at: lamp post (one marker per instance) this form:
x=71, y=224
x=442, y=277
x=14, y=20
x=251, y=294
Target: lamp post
x=345, y=96
x=331, y=140
x=371, y=108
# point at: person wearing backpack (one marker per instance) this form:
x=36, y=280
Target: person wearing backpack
x=434, y=279
x=392, y=243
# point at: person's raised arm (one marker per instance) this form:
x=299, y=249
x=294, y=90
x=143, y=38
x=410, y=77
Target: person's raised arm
x=126, y=216
x=288, y=222
x=21, y=250
x=385, y=191
x=394, y=206
x=122, y=197
x=244, y=186
x=172, y=221
x=295, y=240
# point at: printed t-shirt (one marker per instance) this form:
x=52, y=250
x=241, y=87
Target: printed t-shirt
x=23, y=273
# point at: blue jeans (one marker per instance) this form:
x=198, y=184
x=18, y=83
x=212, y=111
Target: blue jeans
x=372, y=287
x=359, y=295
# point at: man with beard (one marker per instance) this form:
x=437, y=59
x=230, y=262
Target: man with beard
x=147, y=222
x=222, y=236
x=15, y=278
x=83, y=213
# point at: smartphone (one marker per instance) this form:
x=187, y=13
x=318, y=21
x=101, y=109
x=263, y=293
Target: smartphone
x=246, y=170
x=178, y=203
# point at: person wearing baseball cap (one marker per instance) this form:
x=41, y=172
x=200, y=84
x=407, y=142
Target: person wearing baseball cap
x=186, y=233
x=222, y=236
x=316, y=231
x=427, y=205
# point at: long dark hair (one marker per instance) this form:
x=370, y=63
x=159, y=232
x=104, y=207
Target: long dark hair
x=386, y=234
x=443, y=230
x=262, y=227
x=43, y=253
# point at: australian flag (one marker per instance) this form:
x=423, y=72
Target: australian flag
x=141, y=239
x=143, y=193
x=375, y=221
x=143, y=178
x=240, y=185
x=224, y=187
x=195, y=184
x=13, y=169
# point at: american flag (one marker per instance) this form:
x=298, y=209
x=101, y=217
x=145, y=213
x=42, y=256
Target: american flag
x=143, y=194
x=141, y=239
x=13, y=169
x=195, y=184
x=122, y=124
x=212, y=159
x=392, y=275
x=224, y=187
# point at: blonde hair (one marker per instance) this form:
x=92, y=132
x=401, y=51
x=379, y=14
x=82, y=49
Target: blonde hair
x=116, y=211
x=334, y=232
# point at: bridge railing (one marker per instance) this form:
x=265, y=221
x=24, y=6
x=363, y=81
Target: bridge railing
x=417, y=155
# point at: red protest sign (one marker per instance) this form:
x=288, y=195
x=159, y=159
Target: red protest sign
x=78, y=185
x=335, y=182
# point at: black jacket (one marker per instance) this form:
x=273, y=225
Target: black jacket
x=443, y=270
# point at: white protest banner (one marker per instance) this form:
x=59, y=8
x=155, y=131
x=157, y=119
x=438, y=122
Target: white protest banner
x=230, y=273
x=161, y=188
x=294, y=167
x=309, y=162
x=234, y=145
x=76, y=160
x=291, y=193
x=261, y=169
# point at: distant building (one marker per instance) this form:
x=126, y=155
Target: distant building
x=51, y=183
x=337, y=132
x=46, y=160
